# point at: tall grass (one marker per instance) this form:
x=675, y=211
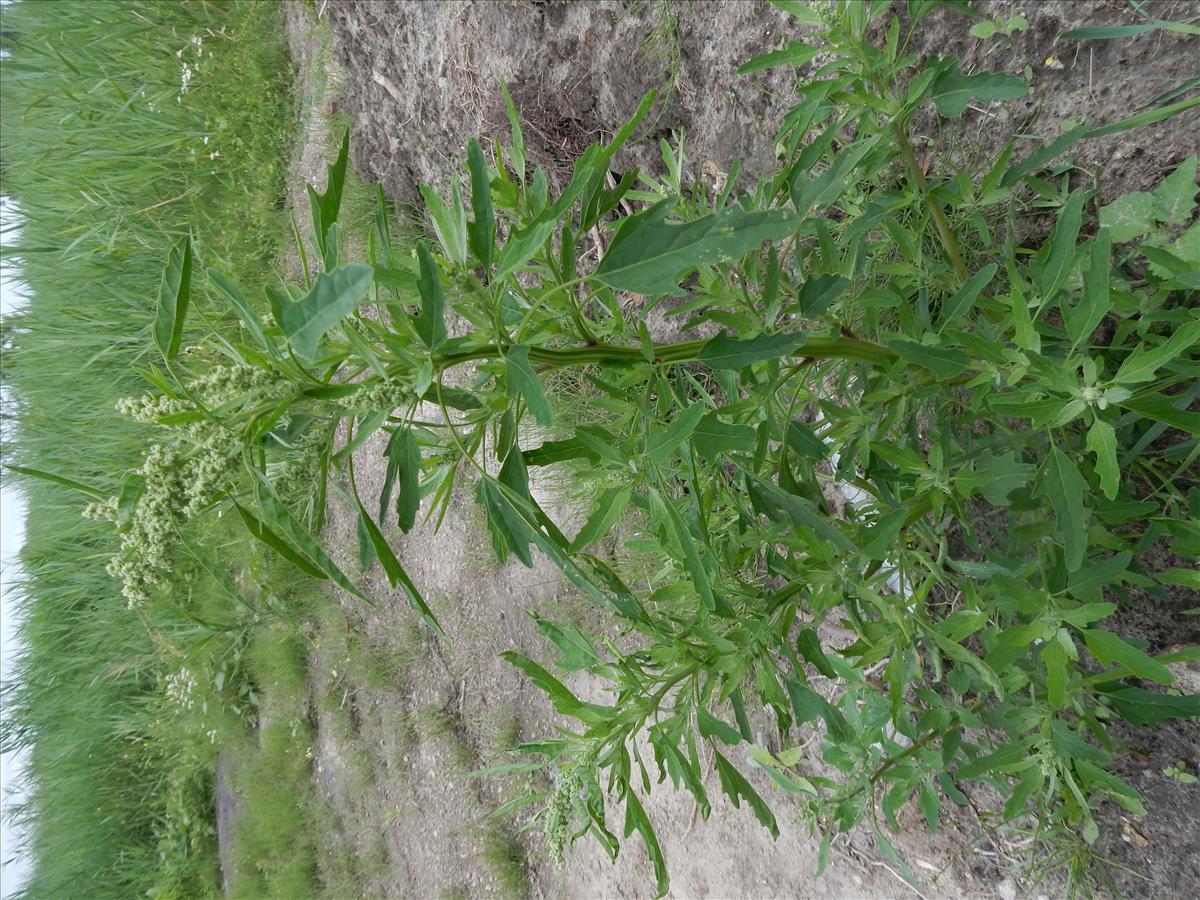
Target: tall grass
x=124, y=125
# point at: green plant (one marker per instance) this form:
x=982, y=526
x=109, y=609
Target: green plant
x=891, y=510
x=1005, y=25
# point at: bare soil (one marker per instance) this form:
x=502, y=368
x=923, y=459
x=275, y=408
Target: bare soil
x=400, y=716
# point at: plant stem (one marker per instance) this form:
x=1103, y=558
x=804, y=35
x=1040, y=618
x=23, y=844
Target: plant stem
x=949, y=242
x=815, y=348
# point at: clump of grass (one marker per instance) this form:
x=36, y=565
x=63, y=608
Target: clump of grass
x=506, y=862
x=107, y=157
x=274, y=853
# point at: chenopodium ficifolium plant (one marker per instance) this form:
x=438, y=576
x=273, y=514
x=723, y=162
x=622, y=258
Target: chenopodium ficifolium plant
x=888, y=504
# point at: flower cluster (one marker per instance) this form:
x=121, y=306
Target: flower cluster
x=559, y=812
x=181, y=688
x=386, y=395
x=299, y=473
x=179, y=481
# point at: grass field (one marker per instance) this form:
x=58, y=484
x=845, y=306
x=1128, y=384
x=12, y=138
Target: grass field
x=125, y=125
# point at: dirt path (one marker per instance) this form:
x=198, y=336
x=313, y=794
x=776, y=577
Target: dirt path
x=400, y=718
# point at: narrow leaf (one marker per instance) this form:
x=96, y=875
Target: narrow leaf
x=1060, y=481
x=482, y=230
x=609, y=508
x=394, y=570
x=431, y=323
x=62, y=480
x=662, y=442
x=523, y=379
x=173, y=296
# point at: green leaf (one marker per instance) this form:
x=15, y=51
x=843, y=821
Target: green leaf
x=793, y=784
x=1086, y=614
x=577, y=651
x=942, y=362
x=1129, y=216
x=334, y=295
x=636, y=820
x=735, y=786
x=662, y=442
x=431, y=323
x=794, y=54
x=1149, y=117
x=404, y=461
x=1164, y=409
x=1142, y=363
x=803, y=441
x=330, y=202
x=711, y=726
x=518, y=138
x=724, y=352
x=964, y=298
x=809, y=645
x=1082, y=320
x=683, y=538
x=394, y=570
x=1057, y=255
x=1007, y=755
x=1141, y=707
x=449, y=223
x=242, y=306
x=509, y=530
x=481, y=232
x=173, y=296
x=1110, y=649
x=1054, y=658
x=62, y=480
x=819, y=292
x=262, y=533
x=1088, y=583
x=1189, y=578
x=997, y=476
x=1110, y=32
x=1122, y=793
x=562, y=698
x=1031, y=782
x=276, y=512
x=1042, y=155
x=713, y=437
x=609, y=508
x=1060, y=481
x=809, y=705
x=1102, y=441
x=650, y=256
x=953, y=90
x=961, y=654
x=550, y=452
x=523, y=379
x=877, y=541
x=1175, y=197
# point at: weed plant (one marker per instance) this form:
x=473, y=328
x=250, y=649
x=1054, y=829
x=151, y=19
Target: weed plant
x=890, y=503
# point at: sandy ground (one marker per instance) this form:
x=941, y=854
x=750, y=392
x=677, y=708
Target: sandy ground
x=394, y=738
